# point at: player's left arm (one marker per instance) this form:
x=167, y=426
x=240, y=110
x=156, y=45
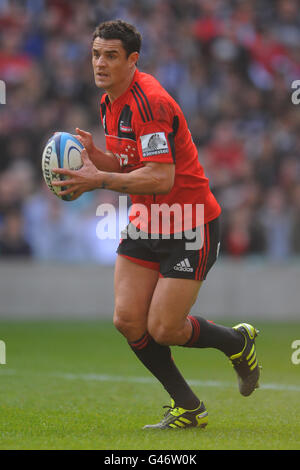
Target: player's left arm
x=153, y=178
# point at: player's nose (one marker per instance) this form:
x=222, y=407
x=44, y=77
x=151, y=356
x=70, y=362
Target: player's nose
x=100, y=62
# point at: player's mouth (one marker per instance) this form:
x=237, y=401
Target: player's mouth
x=102, y=75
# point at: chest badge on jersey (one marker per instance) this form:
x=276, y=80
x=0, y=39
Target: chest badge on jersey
x=125, y=129
x=154, y=144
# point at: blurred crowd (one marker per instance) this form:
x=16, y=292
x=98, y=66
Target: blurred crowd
x=230, y=64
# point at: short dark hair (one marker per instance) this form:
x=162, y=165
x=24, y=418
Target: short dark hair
x=118, y=29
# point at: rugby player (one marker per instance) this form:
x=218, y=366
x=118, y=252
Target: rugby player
x=151, y=156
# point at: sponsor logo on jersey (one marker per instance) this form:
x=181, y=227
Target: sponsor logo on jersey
x=154, y=144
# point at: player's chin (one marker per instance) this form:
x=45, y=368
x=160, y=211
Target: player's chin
x=102, y=82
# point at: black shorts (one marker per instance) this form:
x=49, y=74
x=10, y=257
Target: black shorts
x=179, y=256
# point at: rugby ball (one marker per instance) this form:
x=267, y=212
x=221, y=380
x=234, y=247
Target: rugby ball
x=62, y=150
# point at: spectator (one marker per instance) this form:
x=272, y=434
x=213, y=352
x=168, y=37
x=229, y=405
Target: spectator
x=295, y=230
x=12, y=240
x=276, y=219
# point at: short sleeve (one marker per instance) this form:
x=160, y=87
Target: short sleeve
x=155, y=138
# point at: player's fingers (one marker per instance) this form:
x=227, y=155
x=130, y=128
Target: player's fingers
x=85, y=138
x=78, y=137
x=84, y=155
x=75, y=195
x=67, y=182
x=83, y=133
x=65, y=192
x=62, y=171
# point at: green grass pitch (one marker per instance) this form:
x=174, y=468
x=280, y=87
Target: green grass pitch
x=77, y=385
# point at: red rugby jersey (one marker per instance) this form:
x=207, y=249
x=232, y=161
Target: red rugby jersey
x=145, y=124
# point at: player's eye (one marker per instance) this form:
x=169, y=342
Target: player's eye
x=111, y=56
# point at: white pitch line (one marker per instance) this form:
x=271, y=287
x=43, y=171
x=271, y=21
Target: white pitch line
x=149, y=380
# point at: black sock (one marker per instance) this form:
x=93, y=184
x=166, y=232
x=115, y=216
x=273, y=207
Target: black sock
x=207, y=334
x=158, y=360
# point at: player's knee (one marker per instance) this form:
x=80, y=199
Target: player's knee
x=162, y=334
x=121, y=322
x=127, y=325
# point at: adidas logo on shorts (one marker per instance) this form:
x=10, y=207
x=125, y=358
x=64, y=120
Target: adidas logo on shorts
x=184, y=266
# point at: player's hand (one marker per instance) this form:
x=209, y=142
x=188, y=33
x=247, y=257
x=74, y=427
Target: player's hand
x=86, y=139
x=77, y=182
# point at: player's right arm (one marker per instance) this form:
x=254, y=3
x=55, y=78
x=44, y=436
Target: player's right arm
x=104, y=161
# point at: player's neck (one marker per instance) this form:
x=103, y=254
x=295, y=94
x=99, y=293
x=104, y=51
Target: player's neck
x=115, y=93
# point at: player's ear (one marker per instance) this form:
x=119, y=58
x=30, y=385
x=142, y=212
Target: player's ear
x=133, y=58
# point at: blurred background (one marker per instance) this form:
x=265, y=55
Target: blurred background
x=230, y=65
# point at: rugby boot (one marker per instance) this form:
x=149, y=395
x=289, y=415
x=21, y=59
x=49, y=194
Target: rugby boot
x=179, y=418
x=245, y=362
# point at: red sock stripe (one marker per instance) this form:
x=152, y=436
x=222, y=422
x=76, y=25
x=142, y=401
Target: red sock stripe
x=196, y=330
x=141, y=343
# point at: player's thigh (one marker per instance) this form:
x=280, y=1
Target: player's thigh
x=134, y=286
x=171, y=303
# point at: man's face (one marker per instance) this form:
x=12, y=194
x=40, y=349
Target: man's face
x=111, y=65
